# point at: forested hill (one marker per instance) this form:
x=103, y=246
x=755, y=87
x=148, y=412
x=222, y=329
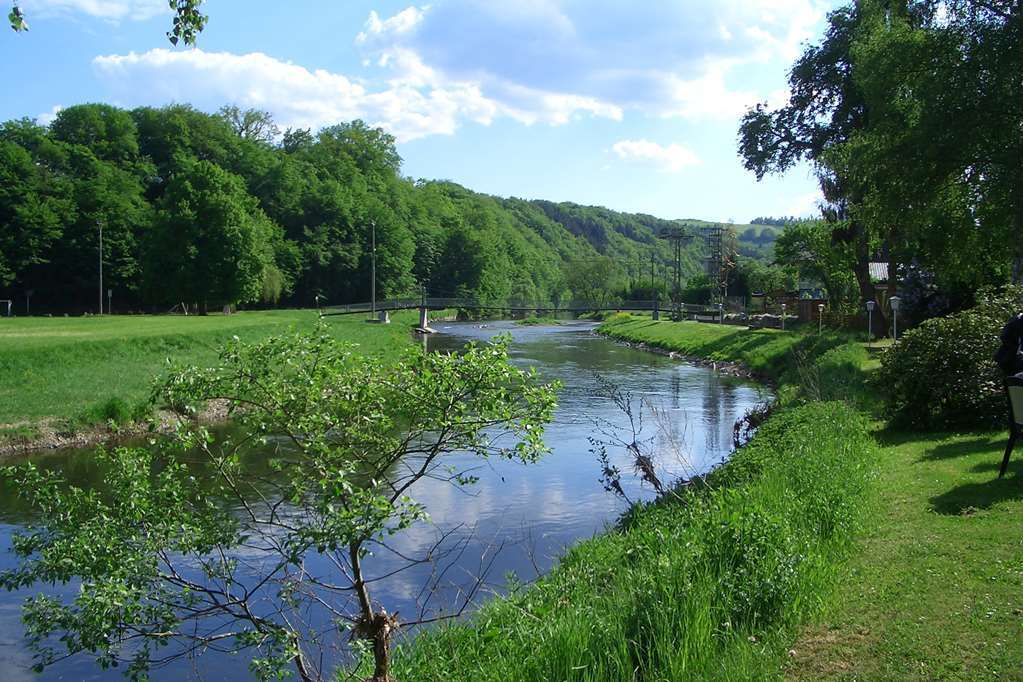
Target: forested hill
x=214, y=209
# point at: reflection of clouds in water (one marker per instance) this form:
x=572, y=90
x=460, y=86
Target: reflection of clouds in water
x=536, y=510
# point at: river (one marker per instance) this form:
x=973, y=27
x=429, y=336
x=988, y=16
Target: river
x=530, y=512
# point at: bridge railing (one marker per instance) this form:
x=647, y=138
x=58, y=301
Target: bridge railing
x=514, y=305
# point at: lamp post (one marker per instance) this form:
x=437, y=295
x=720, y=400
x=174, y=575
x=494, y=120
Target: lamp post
x=373, y=268
x=895, y=301
x=820, y=319
x=783, y=317
x=100, y=224
x=870, y=321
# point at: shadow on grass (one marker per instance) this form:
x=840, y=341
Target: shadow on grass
x=973, y=496
x=961, y=448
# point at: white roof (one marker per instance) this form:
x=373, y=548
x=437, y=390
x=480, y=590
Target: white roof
x=879, y=272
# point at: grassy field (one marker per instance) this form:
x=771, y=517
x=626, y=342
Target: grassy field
x=935, y=590
x=69, y=368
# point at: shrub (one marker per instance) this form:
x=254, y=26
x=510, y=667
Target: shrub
x=113, y=410
x=941, y=374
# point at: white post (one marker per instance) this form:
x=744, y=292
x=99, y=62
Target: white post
x=783, y=317
x=820, y=322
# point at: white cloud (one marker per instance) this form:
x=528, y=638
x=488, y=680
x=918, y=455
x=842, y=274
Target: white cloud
x=598, y=57
x=402, y=22
x=671, y=158
x=111, y=10
x=805, y=205
x=435, y=67
x=46, y=118
x=415, y=102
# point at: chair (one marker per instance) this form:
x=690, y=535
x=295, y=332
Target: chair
x=1014, y=394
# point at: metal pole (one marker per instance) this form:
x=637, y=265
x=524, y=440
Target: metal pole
x=100, y=223
x=373, y=268
x=895, y=324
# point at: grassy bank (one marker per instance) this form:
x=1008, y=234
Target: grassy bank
x=935, y=590
x=805, y=365
x=702, y=586
x=715, y=583
x=81, y=368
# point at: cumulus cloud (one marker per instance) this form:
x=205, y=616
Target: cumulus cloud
x=662, y=59
x=297, y=96
x=111, y=10
x=46, y=118
x=671, y=158
x=432, y=68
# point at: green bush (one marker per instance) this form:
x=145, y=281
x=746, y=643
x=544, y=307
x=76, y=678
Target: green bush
x=113, y=410
x=942, y=374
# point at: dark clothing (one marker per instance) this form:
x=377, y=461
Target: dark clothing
x=1010, y=356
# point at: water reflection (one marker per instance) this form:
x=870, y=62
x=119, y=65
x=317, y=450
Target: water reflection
x=529, y=513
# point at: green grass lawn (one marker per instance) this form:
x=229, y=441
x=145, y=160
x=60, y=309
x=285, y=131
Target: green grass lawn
x=64, y=367
x=936, y=591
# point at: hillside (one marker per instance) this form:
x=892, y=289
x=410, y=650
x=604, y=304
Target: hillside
x=193, y=210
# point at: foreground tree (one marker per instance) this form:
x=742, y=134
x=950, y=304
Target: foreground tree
x=166, y=572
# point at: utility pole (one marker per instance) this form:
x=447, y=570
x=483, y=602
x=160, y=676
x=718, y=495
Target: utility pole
x=677, y=236
x=373, y=267
x=100, y=223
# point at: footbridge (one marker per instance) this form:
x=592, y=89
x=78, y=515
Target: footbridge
x=511, y=307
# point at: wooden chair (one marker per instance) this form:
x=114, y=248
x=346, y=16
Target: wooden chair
x=1014, y=395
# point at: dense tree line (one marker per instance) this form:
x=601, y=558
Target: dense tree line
x=911, y=113
x=220, y=209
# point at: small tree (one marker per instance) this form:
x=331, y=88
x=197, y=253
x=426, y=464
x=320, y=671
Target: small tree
x=162, y=564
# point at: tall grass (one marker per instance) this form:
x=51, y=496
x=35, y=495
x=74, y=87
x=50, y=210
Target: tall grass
x=703, y=585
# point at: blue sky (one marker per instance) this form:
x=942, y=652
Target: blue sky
x=630, y=105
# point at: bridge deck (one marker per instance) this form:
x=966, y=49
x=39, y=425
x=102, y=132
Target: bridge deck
x=507, y=306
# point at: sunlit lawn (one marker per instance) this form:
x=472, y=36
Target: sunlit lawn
x=60, y=367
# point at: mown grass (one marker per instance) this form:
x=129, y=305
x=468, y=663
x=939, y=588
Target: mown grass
x=95, y=369
x=936, y=593
x=705, y=585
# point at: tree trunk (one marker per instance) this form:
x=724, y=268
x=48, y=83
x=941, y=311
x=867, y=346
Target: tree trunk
x=376, y=626
x=861, y=269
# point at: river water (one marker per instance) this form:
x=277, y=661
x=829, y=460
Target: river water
x=517, y=518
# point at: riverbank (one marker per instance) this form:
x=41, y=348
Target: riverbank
x=934, y=590
x=73, y=382
x=711, y=583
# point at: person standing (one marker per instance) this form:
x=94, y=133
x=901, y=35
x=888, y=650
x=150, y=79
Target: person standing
x=1010, y=354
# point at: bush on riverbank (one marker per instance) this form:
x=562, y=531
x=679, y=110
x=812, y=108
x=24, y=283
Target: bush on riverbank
x=700, y=586
x=942, y=374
